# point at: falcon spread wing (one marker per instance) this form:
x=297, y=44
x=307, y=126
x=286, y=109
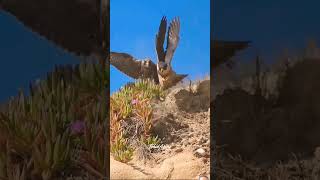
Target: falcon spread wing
x=160, y=39
x=146, y=68
x=172, y=39
x=134, y=68
x=74, y=25
x=222, y=51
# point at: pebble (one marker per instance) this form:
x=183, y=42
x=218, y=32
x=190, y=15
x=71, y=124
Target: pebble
x=200, y=152
x=179, y=150
x=203, y=177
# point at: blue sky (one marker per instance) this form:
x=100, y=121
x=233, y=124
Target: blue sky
x=271, y=25
x=134, y=25
x=25, y=56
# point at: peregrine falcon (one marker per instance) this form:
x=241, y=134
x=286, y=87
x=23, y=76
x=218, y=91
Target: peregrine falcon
x=167, y=77
x=162, y=72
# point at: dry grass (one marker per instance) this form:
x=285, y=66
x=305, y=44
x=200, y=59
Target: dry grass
x=235, y=168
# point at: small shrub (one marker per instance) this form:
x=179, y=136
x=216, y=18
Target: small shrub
x=130, y=111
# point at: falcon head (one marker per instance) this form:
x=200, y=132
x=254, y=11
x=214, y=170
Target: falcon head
x=163, y=68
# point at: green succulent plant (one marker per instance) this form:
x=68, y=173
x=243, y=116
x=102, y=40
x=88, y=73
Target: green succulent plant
x=121, y=150
x=37, y=127
x=129, y=107
x=52, y=157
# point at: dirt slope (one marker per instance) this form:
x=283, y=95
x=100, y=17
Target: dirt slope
x=182, y=121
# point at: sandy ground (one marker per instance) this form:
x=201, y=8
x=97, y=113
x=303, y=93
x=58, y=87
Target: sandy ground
x=180, y=166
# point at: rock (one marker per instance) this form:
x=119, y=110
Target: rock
x=317, y=153
x=204, y=88
x=178, y=150
x=202, y=177
x=200, y=152
x=188, y=101
x=164, y=126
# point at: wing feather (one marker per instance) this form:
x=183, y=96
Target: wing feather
x=160, y=39
x=172, y=39
x=132, y=67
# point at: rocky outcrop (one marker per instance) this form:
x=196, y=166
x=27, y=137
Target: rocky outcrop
x=276, y=128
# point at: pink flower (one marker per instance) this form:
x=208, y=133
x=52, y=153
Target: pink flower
x=77, y=127
x=134, y=101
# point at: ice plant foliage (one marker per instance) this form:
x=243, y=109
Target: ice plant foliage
x=129, y=106
x=36, y=130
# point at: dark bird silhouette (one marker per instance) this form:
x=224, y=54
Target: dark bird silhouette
x=222, y=51
x=73, y=25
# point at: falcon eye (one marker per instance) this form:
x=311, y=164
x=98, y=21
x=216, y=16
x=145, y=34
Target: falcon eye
x=165, y=66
